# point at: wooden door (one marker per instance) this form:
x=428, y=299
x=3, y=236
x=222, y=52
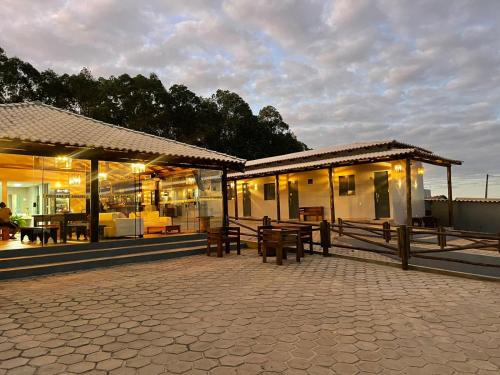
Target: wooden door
x=293, y=199
x=382, y=204
x=247, y=201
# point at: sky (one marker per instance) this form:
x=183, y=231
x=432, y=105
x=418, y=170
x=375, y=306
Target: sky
x=341, y=71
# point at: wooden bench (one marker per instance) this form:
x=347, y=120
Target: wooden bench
x=163, y=228
x=308, y=213
x=223, y=235
x=424, y=221
x=42, y=233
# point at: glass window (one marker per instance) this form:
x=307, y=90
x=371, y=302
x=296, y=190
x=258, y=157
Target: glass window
x=269, y=191
x=230, y=190
x=48, y=198
x=347, y=185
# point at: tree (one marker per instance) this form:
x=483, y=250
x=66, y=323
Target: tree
x=223, y=122
x=18, y=80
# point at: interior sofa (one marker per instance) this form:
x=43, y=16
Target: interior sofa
x=118, y=225
x=152, y=219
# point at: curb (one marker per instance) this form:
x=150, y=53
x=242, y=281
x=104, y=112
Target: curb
x=412, y=267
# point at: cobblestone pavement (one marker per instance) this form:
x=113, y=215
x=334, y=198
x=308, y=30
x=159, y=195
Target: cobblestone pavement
x=235, y=315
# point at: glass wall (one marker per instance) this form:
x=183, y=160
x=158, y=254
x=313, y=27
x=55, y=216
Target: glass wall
x=52, y=196
x=153, y=200
x=48, y=198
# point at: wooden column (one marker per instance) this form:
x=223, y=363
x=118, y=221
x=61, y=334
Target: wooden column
x=5, y=195
x=331, y=188
x=408, y=193
x=450, y=196
x=94, y=200
x=236, y=199
x=225, y=210
x=278, y=208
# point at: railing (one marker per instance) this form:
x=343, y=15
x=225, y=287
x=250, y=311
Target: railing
x=399, y=242
x=407, y=241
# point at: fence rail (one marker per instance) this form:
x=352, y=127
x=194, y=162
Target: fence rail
x=402, y=241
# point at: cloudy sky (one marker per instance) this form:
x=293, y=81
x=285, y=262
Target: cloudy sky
x=425, y=72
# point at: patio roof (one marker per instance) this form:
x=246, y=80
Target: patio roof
x=358, y=147
x=36, y=128
x=360, y=158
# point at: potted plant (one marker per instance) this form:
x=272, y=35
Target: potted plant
x=19, y=220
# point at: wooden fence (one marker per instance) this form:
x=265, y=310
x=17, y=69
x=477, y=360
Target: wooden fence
x=399, y=242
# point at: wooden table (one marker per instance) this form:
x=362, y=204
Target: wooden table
x=166, y=228
x=306, y=234
x=282, y=240
x=62, y=218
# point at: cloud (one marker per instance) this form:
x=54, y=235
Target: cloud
x=339, y=71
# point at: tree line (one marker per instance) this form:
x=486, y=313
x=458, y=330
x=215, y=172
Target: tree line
x=223, y=122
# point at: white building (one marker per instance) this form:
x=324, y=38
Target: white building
x=355, y=181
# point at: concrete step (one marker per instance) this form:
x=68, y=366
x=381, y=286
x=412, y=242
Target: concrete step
x=108, y=244
x=101, y=261
x=82, y=254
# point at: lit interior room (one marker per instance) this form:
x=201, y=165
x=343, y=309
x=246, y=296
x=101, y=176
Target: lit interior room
x=136, y=199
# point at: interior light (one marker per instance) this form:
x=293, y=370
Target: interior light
x=420, y=171
x=103, y=176
x=63, y=162
x=398, y=168
x=75, y=180
x=138, y=168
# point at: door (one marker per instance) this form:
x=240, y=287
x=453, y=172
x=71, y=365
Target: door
x=382, y=208
x=247, y=201
x=293, y=199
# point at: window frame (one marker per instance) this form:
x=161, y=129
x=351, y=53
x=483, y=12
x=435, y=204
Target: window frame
x=347, y=185
x=269, y=195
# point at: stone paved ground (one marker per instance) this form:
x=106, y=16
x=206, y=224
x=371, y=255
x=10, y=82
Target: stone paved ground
x=235, y=315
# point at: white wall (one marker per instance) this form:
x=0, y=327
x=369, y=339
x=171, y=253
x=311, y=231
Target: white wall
x=361, y=205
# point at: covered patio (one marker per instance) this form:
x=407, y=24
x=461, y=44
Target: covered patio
x=71, y=179
x=306, y=186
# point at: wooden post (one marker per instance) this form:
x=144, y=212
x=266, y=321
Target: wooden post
x=499, y=242
x=386, y=226
x=225, y=210
x=94, y=200
x=278, y=208
x=441, y=237
x=331, y=188
x=5, y=195
x=404, y=245
x=236, y=214
x=450, y=196
x=341, y=229
x=324, y=231
x=409, y=215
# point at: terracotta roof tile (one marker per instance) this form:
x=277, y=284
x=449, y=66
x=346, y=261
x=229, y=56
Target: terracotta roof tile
x=36, y=122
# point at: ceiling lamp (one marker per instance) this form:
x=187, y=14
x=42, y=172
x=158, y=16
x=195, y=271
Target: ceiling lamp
x=138, y=168
x=63, y=162
x=75, y=180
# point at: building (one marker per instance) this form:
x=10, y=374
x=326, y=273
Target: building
x=88, y=181
x=372, y=180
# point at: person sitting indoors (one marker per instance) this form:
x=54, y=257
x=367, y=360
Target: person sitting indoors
x=5, y=214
